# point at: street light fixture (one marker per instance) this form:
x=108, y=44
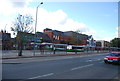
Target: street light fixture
x=36, y=25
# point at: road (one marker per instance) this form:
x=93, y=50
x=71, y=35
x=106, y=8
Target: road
x=61, y=67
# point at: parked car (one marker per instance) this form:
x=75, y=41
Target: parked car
x=113, y=57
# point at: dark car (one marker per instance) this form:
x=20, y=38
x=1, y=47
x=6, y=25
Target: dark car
x=113, y=57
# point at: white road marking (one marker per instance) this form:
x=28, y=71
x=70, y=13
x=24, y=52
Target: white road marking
x=41, y=76
x=93, y=60
x=98, y=59
x=81, y=67
x=101, y=62
x=90, y=60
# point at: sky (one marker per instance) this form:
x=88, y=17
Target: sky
x=99, y=19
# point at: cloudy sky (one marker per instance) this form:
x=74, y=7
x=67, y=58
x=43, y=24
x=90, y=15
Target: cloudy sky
x=99, y=19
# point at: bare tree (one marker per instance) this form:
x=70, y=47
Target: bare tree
x=23, y=23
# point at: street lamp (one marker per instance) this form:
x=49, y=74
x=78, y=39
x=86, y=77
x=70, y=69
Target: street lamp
x=36, y=16
x=36, y=25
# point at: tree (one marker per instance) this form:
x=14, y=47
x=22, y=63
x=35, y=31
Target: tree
x=23, y=23
x=115, y=42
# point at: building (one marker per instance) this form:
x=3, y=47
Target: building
x=68, y=37
x=102, y=43
x=47, y=36
x=29, y=39
x=57, y=36
x=77, y=38
x=91, y=41
x=5, y=40
x=43, y=37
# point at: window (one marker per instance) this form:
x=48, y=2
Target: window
x=114, y=54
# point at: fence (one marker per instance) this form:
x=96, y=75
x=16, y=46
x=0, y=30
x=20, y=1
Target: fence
x=14, y=53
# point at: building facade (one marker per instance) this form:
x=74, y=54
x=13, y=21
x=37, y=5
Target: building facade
x=29, y=39
x=68, y=37
x=102, y=43
x=77, y=38
x=57, y=36
x=49, y=36
x=5, y=40
x=91, y=41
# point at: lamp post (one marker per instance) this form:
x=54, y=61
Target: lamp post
x=36, y=25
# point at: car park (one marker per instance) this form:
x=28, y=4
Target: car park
x=113, y=58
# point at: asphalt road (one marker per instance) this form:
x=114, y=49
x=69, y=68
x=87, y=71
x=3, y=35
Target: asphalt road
x=74, y=67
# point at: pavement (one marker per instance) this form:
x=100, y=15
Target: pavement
x=30, y=55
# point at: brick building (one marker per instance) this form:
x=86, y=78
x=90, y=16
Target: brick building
x=5, y=40
x=77, y=38
x=68, y=37
x=102, y=43
x=57, y=36
x=43, y=37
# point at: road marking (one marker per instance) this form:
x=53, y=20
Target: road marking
x=101, y=62
x=41, y=76
x=90, y=60
x=93, y=60
x=81, y=67
x=98, y=59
